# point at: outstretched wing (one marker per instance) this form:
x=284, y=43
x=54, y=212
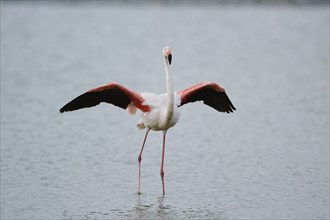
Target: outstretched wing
x=210, y=93
x=112, y=93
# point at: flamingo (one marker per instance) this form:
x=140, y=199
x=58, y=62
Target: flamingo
x=159, y=112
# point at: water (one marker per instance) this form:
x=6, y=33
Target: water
x=270, y=159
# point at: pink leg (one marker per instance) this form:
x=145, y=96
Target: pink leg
x=162, y=164
x=140, y=157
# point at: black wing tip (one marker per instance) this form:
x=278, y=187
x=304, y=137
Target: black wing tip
x=66, y=108
x=231, y=108
x=228, y=107
x=62, y=110
x=230, y=111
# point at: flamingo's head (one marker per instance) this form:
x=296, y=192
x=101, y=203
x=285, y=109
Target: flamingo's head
x=167, y=53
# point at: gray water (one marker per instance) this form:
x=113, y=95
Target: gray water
x=268, y=160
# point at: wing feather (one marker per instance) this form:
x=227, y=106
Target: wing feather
x=111, y=93
x=210, y=93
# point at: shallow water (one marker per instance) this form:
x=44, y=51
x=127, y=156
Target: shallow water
x=270, y=159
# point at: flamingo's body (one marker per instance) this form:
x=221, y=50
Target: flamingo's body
x=159, y=112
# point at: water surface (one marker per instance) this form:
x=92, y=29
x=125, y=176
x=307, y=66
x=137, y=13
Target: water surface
x=268, y=160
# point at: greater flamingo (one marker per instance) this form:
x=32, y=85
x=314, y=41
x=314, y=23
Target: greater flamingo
x=159, y=112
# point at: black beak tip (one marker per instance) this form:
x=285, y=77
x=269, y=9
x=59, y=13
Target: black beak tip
x=170, y=59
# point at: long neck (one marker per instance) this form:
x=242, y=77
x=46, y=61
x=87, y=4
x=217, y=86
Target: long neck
x=170, y=93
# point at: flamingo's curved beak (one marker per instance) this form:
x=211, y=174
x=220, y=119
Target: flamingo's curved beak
x=169, y=58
